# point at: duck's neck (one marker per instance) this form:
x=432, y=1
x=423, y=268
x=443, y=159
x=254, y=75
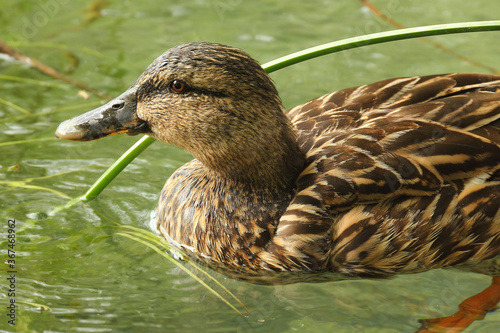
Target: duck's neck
x=267, y=156
x=226, y=204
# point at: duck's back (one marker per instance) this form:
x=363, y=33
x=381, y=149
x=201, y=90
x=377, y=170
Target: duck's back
x=402, y=175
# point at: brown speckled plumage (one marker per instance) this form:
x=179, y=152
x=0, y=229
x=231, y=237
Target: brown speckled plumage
x=398, y=176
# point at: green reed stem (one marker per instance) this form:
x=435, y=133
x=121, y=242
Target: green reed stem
x=117, y=167
x=110, y=174
x=377, y=38
x=294, y=58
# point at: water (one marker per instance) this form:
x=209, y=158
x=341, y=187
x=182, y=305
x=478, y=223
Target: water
x=96, y=281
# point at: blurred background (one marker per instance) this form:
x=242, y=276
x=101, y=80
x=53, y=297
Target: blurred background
x=96, y=281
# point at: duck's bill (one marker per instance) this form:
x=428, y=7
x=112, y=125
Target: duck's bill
x=115, y=117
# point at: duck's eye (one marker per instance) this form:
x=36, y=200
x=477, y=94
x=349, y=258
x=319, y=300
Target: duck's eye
x=117, y=106
x=178, y=86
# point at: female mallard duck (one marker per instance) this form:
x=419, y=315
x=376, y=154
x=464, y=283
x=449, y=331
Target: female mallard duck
x=398, y=176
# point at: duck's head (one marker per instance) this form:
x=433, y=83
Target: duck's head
x=213, y=100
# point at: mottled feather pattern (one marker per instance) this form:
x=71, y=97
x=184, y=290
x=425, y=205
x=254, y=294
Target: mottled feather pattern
x=202, y=228
x=399, y=177
x=384, y=167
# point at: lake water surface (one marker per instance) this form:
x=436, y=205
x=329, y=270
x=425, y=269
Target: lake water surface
x=96, y=281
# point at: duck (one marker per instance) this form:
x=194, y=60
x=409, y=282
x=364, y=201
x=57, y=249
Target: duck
x=394, y=177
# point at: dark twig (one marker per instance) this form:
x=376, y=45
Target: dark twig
x=398, y=25
x=47, y=70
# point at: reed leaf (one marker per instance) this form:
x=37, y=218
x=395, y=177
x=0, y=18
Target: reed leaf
x=11, y=143
x=137, y=237
x=35, y=305
x=148, y=235
x=14, y=106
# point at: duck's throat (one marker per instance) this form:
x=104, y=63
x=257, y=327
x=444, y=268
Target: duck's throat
x=273, y=165
x=265, y=157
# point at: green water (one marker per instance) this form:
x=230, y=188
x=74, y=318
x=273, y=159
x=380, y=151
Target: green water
x=96, y=281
